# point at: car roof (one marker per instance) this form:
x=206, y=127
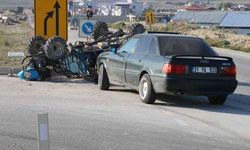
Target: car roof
x=165, y=35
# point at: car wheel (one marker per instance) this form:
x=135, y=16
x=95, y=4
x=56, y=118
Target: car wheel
x=217, y=100
x=146, y=91
x=103, y=80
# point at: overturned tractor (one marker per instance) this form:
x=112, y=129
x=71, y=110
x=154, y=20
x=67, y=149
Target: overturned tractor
x=54, y=56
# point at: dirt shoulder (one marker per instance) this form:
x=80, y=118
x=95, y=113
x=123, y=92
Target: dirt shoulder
x=13, y=38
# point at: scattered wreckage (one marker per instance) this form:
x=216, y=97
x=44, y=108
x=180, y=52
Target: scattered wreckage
x=13, y=16
x=13, y=19
x=54, y=56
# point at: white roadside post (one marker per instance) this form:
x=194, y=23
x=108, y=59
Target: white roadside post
x=14, y=56
x=43, y=131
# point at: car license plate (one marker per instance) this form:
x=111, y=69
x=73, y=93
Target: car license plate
x=204, y=70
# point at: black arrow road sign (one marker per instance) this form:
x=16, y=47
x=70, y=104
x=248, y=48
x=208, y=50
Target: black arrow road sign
x=49, y=15
x=57, y=7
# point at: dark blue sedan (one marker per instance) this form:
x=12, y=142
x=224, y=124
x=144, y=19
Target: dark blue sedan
x=155, y=63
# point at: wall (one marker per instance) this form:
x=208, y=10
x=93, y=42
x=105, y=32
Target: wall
x=244, y=31
x=137, y=9
x=107, y=19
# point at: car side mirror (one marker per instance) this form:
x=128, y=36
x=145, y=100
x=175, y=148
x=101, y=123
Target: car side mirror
x=113, y=50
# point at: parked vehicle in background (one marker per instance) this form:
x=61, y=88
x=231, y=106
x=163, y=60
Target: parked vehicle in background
x=154, y=63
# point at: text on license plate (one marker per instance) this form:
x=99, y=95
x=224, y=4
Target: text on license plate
x=204, y=70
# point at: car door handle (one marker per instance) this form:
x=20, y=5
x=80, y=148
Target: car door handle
x=140, y=61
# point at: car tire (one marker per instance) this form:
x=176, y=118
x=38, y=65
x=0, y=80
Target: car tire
x=217, y=100
x=146, y=91
x=55, y=48
x=35, y=45
x=103, y=80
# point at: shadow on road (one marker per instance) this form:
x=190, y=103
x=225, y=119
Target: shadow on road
x=63, y=79
x=236, y=103
x=124, y=90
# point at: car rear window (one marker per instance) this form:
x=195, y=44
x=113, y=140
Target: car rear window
x=184, y=46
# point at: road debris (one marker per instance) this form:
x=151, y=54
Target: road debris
x=12, y=17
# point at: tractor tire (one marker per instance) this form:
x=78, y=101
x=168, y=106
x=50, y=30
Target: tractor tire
x=136, y=28
x=55, y=48
x=100, y=29
x=35, y=45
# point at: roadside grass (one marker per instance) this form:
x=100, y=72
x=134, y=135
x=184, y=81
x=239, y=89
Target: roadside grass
x=13, y=38
x=176, y=27
x=216, y=37
x=226, y=44
x=118, y=25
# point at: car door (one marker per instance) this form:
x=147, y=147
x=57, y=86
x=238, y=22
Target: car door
x=135, y=61
x=117, y=61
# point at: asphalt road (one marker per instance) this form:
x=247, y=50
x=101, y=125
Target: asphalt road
x=81, y=117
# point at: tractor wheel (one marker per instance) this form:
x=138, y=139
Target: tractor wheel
x=136, y=28
x=35, y=45
x=55, y=48
x=100, y=29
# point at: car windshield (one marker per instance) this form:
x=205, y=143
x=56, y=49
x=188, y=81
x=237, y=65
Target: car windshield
x=184, y=46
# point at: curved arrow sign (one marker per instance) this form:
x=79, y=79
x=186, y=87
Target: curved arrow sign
x=49, y=15
x=51, y=18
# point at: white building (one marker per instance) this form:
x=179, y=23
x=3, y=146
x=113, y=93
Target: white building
x=116, y=11
x=120, y=7
x=137, y=8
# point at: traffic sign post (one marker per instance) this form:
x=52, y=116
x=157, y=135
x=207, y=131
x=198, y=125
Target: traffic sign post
x=86, y=28
x=51, y=18
x=150, y=19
